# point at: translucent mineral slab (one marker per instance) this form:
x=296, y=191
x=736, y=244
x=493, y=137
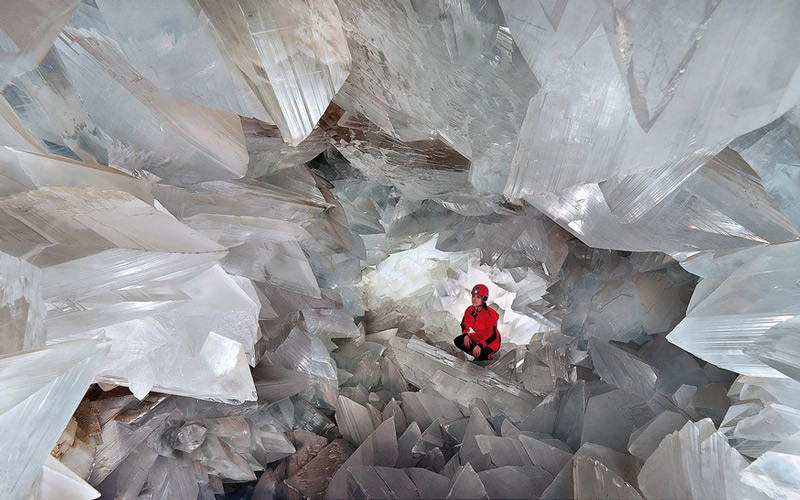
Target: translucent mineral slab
x=633, y=121
x=270, y=154
x=313, y=479
x=281, y=66
x=755, y=297
x=379, y=449
x=172, y=138
x=22, y=171
x=28, y=29
x=420, y=170
x=429, y=483
x=622, y=369
x=515, y=482
x=274, y=383
x=623, y=465
x=426, y=71
x=58, y=481
x=41, y=388
x=304, y=352
x=776, y=472
x=545, y=455
x=467, y=485
x=471, y=452
x=376, y=482
x=353, y=420
x=685, y=221
x=405, y=445
x=215, y=368
x=779, y=348
x=27, y=105
x=695, y=462
x=612, y=417
x=22, y=309
x=424, y=365
x=570, y=417
x=73, y=233
x=772, y=153
x=592, y=479
x=645, y=440
x=543, y=417
x=503, y=451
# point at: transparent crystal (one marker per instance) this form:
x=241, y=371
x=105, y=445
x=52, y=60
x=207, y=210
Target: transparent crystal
x=426, y=71
x=58, y=481
x=202, y=144
x=592, y=479
x=426, y=366
x=620, y=368
x=758, y=295
x=41, y=388
x=695, y=462
x=468, y=485
x=22, y=310
x=379, y=449
x=633, y=121
x=645, y=439
x=27, y=31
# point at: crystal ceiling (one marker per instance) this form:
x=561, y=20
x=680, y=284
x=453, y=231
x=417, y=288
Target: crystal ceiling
x=237, y=239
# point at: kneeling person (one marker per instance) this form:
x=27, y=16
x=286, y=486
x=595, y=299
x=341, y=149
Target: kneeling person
x=479, y=336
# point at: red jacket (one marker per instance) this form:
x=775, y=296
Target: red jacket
x=484, y=326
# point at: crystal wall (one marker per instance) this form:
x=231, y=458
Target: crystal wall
x=237, y=239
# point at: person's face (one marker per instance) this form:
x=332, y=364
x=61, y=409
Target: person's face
x=477, y=300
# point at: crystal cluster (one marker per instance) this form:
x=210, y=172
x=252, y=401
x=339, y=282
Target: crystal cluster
x=237, y=239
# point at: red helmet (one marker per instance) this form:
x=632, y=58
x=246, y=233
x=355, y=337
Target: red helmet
x=481, y=291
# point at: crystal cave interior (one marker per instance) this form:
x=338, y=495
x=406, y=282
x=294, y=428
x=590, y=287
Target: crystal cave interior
x=237, y=239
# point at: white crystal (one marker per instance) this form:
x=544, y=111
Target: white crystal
x=695, y=462
x=27, y=30
x=758, y=295
x=610, y=129
x=41, y=389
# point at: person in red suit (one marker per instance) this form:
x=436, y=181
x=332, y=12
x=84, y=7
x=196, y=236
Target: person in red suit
x=479, y=336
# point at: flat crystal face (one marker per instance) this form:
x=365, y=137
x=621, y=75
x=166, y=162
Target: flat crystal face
x=238, y=240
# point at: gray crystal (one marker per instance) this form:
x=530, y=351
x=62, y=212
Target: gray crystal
x=544, y=455
x=379, y=449
x=314, y=478
x=424, y=365
x=429, y=484
x=779, y=348
x=627, y=411
x=570, y=417
x=467, y=485
x=354, y=421
x=622, y=369
x=405, y=445
x=503, y=451
x=515, y=482
x=380, y=482
x=592, y=479
x=645, y=440
x=623, y=465
x=425, y=408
